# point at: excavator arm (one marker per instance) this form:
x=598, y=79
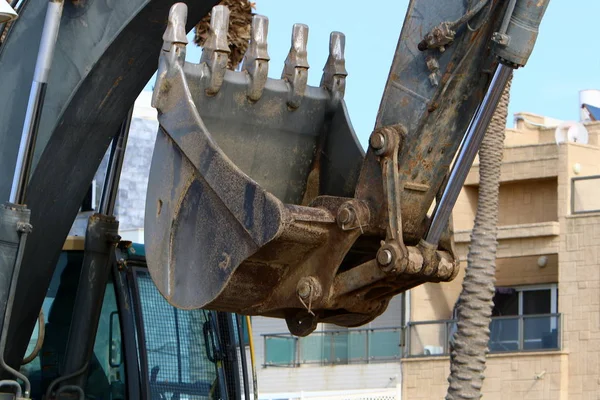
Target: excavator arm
x=262, y=202
x=105, y=54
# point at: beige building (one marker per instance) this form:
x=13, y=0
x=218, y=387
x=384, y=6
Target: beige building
x=545, y=333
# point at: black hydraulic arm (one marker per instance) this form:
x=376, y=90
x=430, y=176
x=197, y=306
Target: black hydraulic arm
x=106, y=53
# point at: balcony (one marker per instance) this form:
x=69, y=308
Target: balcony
x=521, y=231
x=524, y=162
x=334, y=347
x=519, y=333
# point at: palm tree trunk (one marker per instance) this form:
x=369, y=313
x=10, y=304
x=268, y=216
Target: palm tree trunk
x=470, y=342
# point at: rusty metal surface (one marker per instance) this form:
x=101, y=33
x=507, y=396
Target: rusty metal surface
x=435, y=116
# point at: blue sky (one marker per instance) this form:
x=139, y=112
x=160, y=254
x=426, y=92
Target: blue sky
x=565, y=60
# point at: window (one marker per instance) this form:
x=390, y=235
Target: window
x=525, y=318
x=108, y=350
x=106, y=375
x=179, y=358
x=345, y=346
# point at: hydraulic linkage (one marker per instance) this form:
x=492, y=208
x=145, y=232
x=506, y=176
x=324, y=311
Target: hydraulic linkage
x=14, y=214
x=261, y=200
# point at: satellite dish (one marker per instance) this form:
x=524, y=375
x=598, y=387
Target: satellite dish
x=571, y=131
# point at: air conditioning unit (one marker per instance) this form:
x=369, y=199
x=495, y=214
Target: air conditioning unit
x=433, y=350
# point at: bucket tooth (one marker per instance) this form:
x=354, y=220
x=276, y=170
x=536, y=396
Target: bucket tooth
x=175, y=32
x=216, y=49
x=334, y=72
x=295, y=70
x=173, y=48
x=256, y=59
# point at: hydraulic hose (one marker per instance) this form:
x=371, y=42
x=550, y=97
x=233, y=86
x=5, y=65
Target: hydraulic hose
x=40, y=340
x=469, y=344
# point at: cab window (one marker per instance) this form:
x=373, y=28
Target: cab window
x=178, y=345
x=106, y=375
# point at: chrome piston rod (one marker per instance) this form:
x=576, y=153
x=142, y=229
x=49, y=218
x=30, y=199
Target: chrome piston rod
x=36, y=101
x=467, y=152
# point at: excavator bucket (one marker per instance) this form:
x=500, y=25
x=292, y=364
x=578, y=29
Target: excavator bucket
x=261, y=199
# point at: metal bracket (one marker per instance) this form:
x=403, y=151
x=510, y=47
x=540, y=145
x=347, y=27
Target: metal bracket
x=439, y=37
x=386, y=143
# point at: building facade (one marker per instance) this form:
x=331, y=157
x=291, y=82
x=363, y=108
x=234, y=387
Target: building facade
x=545, y=333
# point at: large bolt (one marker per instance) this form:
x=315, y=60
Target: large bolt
x=304, y=289
x=308, y=288
x=345, y=216
x=385, y=257
x=432, y=64
x=377, y=141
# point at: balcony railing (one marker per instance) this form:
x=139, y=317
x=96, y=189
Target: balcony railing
x=334, y=347
x=507, y=334
x=585, y=194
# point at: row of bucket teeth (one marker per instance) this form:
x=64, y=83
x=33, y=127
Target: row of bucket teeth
x=216, y=51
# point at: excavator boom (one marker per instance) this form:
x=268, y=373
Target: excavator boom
x=261, y=200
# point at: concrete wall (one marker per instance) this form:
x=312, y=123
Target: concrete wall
x=333, y=378
x=521, y=202
x=579, y=303
x=527, y=202
x=443, y=295
x=512, y=376
x=515, y=271
x=579, y=277
x=464, y=211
